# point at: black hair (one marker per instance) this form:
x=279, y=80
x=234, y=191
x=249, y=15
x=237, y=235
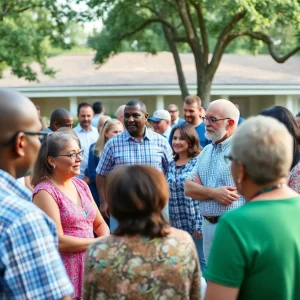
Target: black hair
x=97, y=107
x=83, y=104
x=284, y=116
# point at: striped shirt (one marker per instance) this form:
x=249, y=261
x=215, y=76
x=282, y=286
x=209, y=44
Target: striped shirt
x=30, y=265
x=214, y=172
x=123, y=149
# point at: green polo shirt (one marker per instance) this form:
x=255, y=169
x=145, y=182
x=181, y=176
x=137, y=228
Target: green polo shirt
x=257, y=249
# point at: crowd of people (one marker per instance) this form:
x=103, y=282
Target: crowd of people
x=149, y=207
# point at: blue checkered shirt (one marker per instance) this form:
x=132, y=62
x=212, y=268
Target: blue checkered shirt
x=123, y=149
x=183, y=210
x=215, y=172
x=30, y=265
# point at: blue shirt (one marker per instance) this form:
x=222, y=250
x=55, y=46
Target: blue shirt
x=87, y=138
x=214, y=172
x=30, y=265
x=183, y=210
x=92, y=165
x=123, y=149
x=201, y=134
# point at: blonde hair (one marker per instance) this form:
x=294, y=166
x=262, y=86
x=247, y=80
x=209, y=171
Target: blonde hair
x=99, y=145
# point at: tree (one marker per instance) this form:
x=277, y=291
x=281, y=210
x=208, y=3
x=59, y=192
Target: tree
x=194, y=24
x=26, y=27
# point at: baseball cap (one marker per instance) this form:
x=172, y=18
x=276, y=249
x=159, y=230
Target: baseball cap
x=159, y=115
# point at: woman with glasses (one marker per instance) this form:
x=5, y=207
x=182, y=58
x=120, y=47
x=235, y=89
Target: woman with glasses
x=183, y=210
x=110, y=129
x=68, y=201
x=256, y=249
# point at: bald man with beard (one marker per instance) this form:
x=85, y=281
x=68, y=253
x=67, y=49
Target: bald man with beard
x=30, y=265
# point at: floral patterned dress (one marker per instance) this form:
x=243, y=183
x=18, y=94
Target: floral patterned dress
x=76, y=221
x=135, y=267
x=294, y=178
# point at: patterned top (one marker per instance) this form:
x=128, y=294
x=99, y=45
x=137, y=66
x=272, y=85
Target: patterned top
x=87, y=138
x=138, y=268
x=215, y=172
x=183, y=210
x=294, y=178
x=123, y=149
x=30, y=265
x=76, y=221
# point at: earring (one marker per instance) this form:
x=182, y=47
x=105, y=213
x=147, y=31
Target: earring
x=54, y=167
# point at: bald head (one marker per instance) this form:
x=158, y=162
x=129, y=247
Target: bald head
x=225, y=109
x=19, y=132
x=120, y=113
x=18, y=113
x=60, y=118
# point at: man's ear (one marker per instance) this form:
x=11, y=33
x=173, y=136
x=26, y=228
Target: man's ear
x=242, y=172
x=231, y=123
x=20, y=144
x=200, y=111
x=146, y=116
x=55, y=124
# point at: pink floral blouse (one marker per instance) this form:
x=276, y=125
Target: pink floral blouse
x=76, y=221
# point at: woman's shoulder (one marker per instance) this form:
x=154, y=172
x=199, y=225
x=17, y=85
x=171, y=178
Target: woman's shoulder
x=43, y=185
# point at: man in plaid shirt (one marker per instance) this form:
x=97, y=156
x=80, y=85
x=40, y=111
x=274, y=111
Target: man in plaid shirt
x=30, y=265
x=137, y=145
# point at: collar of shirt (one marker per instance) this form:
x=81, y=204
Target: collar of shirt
x=220, y=147
x=11, y=186
x=167, y=133
x=147, y=135
x=80, y=129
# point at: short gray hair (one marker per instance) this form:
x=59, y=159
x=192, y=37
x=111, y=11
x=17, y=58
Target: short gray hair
x=265, y=147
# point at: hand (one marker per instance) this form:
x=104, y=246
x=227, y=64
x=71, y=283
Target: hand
x=226, y=195
x=104, y=209
x=197, y=235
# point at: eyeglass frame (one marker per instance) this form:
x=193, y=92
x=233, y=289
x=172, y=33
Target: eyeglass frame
x=42, y=135
x=210, y=121
x=81, y=152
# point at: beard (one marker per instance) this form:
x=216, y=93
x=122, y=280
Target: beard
x=216, y=135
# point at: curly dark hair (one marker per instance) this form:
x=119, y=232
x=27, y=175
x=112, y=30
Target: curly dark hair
x=136, y=196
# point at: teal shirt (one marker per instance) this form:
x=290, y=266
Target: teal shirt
x=257, y=249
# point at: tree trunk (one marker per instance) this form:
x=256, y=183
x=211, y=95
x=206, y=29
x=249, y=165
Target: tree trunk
x=203, y=91
x=180, y=74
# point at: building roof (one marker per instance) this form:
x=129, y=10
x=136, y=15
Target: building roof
x=139, y=68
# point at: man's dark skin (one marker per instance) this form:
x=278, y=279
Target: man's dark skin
x=135, y=117
x=60, y=118
x=18, y=114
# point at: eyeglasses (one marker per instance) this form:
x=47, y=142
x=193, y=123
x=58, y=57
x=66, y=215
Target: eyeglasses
x=41, y=136
x=228, y=158
x=213, y=120
x=73, y=155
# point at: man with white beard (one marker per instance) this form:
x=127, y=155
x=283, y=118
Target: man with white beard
x=211, y=182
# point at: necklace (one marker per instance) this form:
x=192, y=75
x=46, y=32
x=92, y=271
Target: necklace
x=268, y=189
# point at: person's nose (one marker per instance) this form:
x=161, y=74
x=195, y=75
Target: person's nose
x=130, y=119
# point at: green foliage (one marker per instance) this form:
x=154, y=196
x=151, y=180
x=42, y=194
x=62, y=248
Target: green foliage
x=198, y=26
x=26, y=29
x=277, y=18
